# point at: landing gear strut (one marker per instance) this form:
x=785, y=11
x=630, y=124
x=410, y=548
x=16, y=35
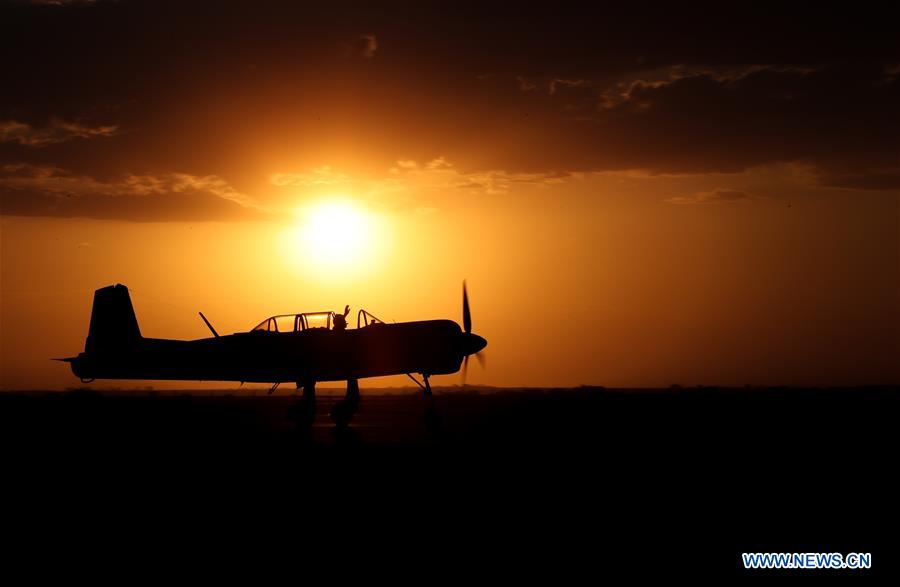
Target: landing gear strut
x=343, y=411
x=304, y=411
x=432, y=419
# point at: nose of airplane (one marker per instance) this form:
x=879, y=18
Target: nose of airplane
x=472, y=343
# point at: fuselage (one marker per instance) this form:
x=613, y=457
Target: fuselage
x=288, y=348
x=433, y=347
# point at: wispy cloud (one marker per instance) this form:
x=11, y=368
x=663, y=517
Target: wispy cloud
x=56, y=131
x=35, y=190
x=716, y=196
x=412, y=175
x=441, y=174
x=61, y=2
x=317, y=177
x=364, y=46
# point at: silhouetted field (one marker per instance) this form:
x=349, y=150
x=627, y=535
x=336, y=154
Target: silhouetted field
x=567, y=481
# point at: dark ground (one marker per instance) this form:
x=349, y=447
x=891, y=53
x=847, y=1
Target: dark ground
x=548, y=486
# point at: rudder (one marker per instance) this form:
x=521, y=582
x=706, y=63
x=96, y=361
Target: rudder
x=113, y=322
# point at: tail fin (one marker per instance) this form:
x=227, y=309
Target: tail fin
x=113, y=323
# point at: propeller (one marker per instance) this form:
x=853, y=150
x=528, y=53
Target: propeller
x=467, y=328
x=482, y=360
x=467, y=314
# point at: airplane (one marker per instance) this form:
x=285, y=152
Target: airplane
x=304, y=348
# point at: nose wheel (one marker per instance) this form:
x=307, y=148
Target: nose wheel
x=431, y=416
x=432, y=419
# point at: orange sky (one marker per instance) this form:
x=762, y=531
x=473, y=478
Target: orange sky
x=598, y=280
x=634, y=201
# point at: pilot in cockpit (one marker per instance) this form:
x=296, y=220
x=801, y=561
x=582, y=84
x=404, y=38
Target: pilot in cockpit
x=340, y=321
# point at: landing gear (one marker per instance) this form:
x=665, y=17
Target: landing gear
x=343, y=411
x=303, y=413
x=432, y=419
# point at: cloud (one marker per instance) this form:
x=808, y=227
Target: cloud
x=27, y=190
x=620, y=89
x=62, y=2
x=411, y=175
x=550, y=85
x=57, y=131
x=439, y=173
x=505, y=98
x=844, y=123
x=716, y=196
x=891, y=72
x=320, y=176
x=365, y=46
x=871, y=179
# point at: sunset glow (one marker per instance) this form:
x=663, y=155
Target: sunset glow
x=336, y=237
x=531, y=292
x=675, y=206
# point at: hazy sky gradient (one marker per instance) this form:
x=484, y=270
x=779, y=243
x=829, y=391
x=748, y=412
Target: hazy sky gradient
x=637, y=198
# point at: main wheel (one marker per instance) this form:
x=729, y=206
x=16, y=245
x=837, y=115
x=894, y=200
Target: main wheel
x=303, y=413
x=342, y=413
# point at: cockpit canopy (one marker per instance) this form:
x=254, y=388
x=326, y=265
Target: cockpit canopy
x=309, y=321
x=296, y=322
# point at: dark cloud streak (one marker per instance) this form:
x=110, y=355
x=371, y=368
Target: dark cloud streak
x=237, y=89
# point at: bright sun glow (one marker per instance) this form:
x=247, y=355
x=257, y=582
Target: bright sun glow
x=337, y=237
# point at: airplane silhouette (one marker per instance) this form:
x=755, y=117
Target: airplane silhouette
x=301, y=348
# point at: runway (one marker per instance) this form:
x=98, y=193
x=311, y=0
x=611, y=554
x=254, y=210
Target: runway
x=575, y=477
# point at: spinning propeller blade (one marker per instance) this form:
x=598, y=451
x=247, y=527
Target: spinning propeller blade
x=467, y=315
x=473, y=342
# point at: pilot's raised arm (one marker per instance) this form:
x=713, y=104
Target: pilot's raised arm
x=340, y=320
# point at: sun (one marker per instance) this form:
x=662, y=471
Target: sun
x=336, y=236
x=336, y=231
